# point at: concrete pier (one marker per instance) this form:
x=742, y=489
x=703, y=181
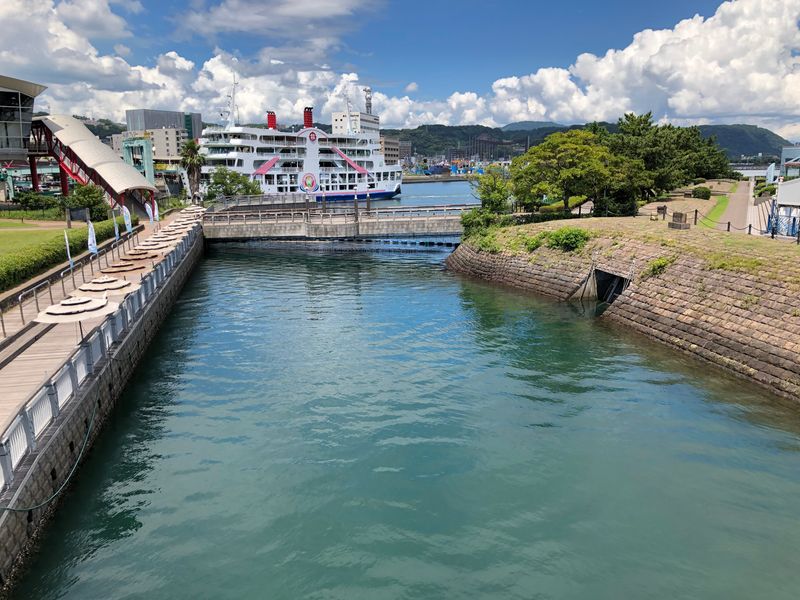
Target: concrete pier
x=58, y=421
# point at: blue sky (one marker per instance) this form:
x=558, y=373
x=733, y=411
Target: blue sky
x=687, y=61
x=441, y=45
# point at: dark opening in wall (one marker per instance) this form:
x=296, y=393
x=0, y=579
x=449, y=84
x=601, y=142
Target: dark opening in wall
x=609, y=287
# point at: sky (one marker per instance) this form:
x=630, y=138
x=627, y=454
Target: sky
x=465, y=62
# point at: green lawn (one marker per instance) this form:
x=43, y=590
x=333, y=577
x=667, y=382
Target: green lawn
x=715, y=214
x=13, y=241
x=12, y=224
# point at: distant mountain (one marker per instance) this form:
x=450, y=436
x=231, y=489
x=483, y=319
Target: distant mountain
x=529, y=125
x=432, y=140
x=745, y=140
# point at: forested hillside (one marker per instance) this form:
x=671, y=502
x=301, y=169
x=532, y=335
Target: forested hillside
x=429, y=140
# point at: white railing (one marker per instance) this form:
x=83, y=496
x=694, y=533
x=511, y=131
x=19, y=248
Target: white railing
x=337, y=216
x=45, y=404
x=31, y=298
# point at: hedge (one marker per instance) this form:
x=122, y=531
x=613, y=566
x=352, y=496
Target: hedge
x=703, y=193
x=30, y=261
x=574, y=202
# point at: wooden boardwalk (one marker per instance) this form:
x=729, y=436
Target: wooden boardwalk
x=29, y=368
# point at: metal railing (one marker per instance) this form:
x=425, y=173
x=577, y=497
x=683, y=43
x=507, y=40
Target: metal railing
x=30, y=297
x=337, y=216
x=23, y=433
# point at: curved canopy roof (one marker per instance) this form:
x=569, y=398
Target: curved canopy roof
x=26, y=87
x=118, y=174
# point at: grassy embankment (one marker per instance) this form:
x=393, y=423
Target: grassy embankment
x=27, y=253
x=733, y=252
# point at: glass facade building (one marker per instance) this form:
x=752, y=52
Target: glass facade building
x=16, y=112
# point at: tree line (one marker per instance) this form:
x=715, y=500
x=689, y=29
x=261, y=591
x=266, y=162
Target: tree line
x=615, y=170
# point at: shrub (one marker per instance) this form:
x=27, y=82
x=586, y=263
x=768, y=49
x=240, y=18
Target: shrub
x=534, y=243
x=698, y=180
x=29, y=261
x=487, y=241
x=765, y=190
x=701, y=192
x=478, y=220
x=568, y=238
x=657, y=266
x=574, y=202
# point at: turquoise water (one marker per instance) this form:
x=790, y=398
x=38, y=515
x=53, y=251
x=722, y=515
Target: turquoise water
x=366, y=425
x=432, y=194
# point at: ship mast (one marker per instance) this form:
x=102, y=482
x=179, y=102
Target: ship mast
x=347, y=110
x=368, y=100
x=232, y=108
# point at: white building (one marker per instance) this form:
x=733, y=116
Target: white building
x=360, y=122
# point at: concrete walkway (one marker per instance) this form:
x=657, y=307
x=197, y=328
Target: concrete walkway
x=25, y=374
x=738, y=211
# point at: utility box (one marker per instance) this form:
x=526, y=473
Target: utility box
x=679, y=221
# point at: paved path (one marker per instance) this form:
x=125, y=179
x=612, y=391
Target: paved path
x=738, y=211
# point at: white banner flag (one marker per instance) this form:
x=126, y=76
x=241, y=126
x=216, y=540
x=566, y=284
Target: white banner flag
x=126, y=214
x=116, y=225
x=149, y=210
x=92, y=239
x=69, y=255
x=155, y=207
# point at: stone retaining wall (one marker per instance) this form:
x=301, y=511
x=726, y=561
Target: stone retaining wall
x=747, y=324
x=43, y=471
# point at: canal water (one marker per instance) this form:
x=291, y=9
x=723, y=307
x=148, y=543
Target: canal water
x=432, y=194
x=338, y=425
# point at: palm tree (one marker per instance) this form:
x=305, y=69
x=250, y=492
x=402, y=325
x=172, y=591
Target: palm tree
x=192, y=160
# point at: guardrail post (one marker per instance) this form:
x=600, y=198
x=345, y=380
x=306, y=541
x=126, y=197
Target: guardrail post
x=5, y=463
x=52, y=396
x=695, y=216
x=729, y=226
x=750, y=229
x=73, y=375
x=27, y=427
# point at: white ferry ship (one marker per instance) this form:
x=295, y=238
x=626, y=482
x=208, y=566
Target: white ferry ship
x=345, y=164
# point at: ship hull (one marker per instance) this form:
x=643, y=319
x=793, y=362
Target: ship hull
x=350, y=196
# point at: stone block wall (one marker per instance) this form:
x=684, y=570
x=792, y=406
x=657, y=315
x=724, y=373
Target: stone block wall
x=747, y=324
x=43, y=471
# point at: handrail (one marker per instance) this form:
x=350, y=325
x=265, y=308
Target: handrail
x=20, y=303
x=275, y=216
x=22, y=431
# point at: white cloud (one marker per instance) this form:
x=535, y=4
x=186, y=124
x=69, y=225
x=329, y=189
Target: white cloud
x=92, y=18
x=740, y=65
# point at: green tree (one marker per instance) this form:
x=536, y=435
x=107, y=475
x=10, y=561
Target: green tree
x=91, y=197
x=192, y=160
x=492, y=189
x=225, y=182
x=565, y=164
